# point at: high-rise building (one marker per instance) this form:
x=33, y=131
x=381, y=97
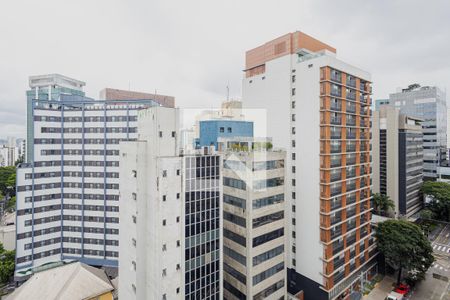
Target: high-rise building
x=429, y=104
x=68, y=191
x=254, y=219
x=170, y=228
x=319, y=110
x=397, y=157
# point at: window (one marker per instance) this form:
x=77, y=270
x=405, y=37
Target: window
x=293, y=78
x=164, y=198
x=293, y=143
x=173, y=134
x=178, y=243
x=222, y=129
x=164, y=297
x=178, y=195
x=293, y=249
x=293, y=234
x=293, y=208
x=268, y=255
x=178, y=172
x=293, y=130
x=164, y=173
x=293, y=195
x=164, y=247
x=293, y=182
x=134, y=219
x=229, y=130
x=268, y=273
x=134, y=196
x=134, y=173
x=164, y=273
x=293, y=104
x=160, y=134
x=293, y=262
x=264, y=77
x=293, y=92
x=178, y=290
x=293, y=169
x=293, y=156
x=293, y=117
x=134, y=265
x=178, y=267
x=178, y=219
x=133, y=241
x=293, y=221
x=164, y=222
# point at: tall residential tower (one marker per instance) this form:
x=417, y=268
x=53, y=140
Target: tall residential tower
x=320, y=112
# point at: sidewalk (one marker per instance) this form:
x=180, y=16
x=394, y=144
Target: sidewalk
x=381, y=290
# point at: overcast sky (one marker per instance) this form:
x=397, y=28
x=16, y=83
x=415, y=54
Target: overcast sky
x=193, y=49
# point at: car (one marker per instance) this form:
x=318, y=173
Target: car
x=402, y=289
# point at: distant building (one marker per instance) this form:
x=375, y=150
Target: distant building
x=254, y=219
x=171, y=215
x=380, y=102
x=397, y=158
x=429, y=104
x=212, y=130
x=115, y=94
x=69, y=282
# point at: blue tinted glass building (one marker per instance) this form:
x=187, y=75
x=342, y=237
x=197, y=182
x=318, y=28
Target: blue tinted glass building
x=212, y=130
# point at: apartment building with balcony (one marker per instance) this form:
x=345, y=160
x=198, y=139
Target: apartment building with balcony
x=171, y=215
x=254, y=222
x=397, y=157
x=68, y=191
x=318, y=108
x=429, y=104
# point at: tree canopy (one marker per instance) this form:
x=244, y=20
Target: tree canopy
x=405, y=247
x=439, y=196
x=6, y=264
x=382, y=204
x=7, y=179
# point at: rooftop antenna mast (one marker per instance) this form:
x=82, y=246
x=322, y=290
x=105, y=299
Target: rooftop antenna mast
x=228, y=91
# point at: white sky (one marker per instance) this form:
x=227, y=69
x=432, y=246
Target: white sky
x=193, y=49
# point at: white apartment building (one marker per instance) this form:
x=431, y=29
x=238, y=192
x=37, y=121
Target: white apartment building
x=170, y=228
x=318, y=108
x=68, y=191
x=254, y=219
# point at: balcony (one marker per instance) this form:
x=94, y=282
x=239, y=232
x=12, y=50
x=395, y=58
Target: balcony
x=350, y=146
x=351, y=95
x=336, y=90
x=335, y=105
x=336, y=191
x=335, y=162
x=351, y=81
x=338, y=262
x=349, y=173
x=362, y=85
x=336, y=120
x=351, y=160
x=351, y=212
x=338, y=247
x=336, y=76
x=351, y=108
x=350, y=199
x=352, y=239
x=351, y=134
x=350, y=121
x=351, y=186
x=335, y=148
x=336, y=134
x=336, y=231
x=336, y=218
x=335, y=175
x=336, y=203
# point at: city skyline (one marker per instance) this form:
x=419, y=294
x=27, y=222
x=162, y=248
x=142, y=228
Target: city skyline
x=141, y=52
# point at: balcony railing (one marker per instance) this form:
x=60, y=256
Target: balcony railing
x=335, y=176
x=335, y=106
x=335, y=148
x=351, y=160
x=336, y=219
x=351, y=135
x=351, y=240
x=336, y=134
x=334, y=163
x=351, y=187
x=351, y=81
x=350, y=199
x=351, y=108
x=337, y=232
x=350, y=174
x=336, y=76
x=351, y=95
x=350, y=122
x=338, y=262
x=337, y=247
x=336, y=191
x=336, y=120
x=351, y=213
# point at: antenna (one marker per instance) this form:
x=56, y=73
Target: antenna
x=228, y=91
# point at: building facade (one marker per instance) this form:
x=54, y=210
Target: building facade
x=380, y=102
x=397, y=154
x=254, y=220
x=319, y=110
x=428, y=104
x=212, y=130
x=170, y=229
x=68, y=191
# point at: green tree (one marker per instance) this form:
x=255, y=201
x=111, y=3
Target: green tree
x=11, y=204
x=6, y=264
x=382, y=204
x=404, y=247
x=439, y=195
x=5, y=174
